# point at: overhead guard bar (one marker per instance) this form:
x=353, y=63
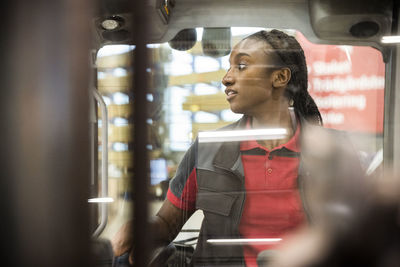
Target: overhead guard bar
x=104, y=163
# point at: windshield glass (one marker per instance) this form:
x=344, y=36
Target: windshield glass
x=190, y=95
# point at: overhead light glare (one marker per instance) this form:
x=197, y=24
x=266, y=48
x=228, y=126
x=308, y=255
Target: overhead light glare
x=395, y=39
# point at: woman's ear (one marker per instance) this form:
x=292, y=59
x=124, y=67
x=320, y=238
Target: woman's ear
x=281, y=77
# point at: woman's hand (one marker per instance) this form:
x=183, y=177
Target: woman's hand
x=164, y=227
x=123, y=240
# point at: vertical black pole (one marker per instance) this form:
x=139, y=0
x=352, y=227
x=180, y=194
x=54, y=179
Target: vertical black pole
x=44, y=156
x=8, y=230
x=140, y=177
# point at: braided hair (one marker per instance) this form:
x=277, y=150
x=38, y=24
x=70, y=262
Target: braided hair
x=292, y=56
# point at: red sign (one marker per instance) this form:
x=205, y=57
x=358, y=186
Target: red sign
x=347, y=83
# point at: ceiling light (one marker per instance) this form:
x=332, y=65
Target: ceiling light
x=112, y=23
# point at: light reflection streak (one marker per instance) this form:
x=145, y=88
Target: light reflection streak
x=242, y=135
x=101, y=200
x=243, y=241
x=390, y=39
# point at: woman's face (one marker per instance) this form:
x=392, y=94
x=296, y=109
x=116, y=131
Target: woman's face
x=249, y=81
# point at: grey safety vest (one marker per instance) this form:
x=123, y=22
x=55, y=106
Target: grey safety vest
x=221, y=195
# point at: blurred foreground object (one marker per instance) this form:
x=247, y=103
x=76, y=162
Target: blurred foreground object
x=354, y=220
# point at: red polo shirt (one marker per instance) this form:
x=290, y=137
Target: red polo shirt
x=273, y=206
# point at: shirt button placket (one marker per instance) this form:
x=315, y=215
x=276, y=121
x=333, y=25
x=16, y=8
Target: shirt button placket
x=266, y=167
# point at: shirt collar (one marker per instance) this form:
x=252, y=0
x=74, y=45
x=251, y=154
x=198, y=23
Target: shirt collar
x=292, y=144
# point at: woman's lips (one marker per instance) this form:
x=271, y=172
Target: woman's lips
x=230, y=94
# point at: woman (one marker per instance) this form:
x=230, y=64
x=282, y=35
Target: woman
x=246, y=189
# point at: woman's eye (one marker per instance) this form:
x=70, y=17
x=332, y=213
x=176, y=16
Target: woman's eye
x=241, y=66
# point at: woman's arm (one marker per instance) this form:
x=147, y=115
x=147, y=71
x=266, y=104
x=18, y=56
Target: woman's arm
x=165, y=226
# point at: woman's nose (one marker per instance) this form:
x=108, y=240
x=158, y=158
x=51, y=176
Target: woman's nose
x=228, y=79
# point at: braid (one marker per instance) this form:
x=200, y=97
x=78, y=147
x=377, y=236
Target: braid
x=292, y=56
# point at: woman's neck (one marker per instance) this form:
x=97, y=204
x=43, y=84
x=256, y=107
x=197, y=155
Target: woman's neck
x=280, y=118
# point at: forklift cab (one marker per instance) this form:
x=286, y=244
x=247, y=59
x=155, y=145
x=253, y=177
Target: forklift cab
x=113, y=85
